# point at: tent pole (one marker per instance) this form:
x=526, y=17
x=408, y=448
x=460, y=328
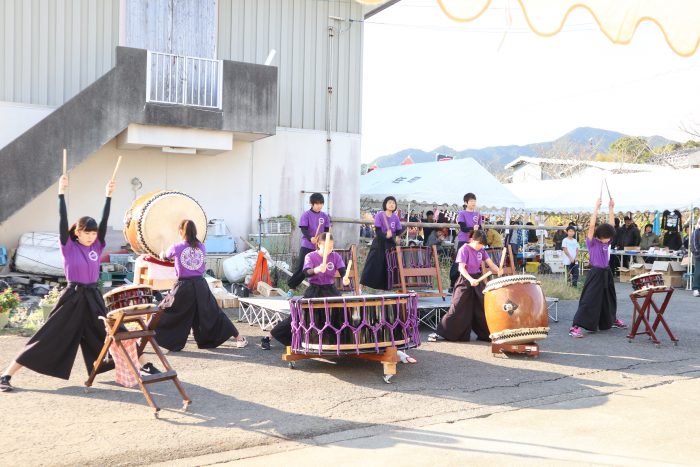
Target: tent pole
x=691, y=265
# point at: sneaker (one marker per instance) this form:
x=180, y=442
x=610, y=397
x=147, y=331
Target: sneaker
x=241, y=343
x=5, y=385
x=576, y=331
x=696, y=293
x=148, y=370
x=434, y=337
x=619, y=324
x=265, y=343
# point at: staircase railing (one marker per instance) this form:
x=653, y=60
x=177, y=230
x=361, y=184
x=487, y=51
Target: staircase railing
x=182, y=80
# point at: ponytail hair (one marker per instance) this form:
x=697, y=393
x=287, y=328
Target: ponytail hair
x=85, y=223
x=190, y=230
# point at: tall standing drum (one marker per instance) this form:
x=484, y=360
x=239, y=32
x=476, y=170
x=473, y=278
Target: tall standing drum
x=516, y=310
x=151, y=223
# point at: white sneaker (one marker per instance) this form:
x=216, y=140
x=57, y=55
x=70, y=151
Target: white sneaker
x=696, y=293
x=434, y=337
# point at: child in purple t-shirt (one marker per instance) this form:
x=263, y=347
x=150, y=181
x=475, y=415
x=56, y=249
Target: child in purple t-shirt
x=466, y=311
x=74, y=320
x=469, y=220
x=190, y=304
x=312, y=224
x=322, y=284
x=388, y=227
x=597, y=307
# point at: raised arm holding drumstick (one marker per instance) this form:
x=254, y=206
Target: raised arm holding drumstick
x=75, y=319
x=597, y=307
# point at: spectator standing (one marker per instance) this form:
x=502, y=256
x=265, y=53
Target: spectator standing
x=694, y=244
x=569, y=246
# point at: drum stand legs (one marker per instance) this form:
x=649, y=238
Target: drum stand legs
x=389, y=358
x=531, y=350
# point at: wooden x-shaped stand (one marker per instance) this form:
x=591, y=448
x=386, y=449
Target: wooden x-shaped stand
x=146, y=318
x=642, y=312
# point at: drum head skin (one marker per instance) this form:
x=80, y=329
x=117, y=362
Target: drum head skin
x=152, y=222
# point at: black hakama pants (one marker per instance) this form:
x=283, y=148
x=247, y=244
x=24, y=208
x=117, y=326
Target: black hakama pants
x=282, y=332
x=191, y=305
x=375, y=273
x=74, y=322
x=597, y=307
x=466, y=313
x=298, y=275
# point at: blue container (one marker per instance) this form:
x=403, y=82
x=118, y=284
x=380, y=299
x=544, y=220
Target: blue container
x=3, y=256
x=220, y=244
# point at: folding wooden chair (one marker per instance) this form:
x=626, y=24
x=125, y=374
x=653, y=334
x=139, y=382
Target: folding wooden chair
x=415, y=268
x=495, y=255
x=146, y=318
x=354, y=275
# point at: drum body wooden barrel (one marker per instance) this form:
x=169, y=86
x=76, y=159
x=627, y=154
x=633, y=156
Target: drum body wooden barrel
x=151, y=223
x=354, y=324
x=516, y=310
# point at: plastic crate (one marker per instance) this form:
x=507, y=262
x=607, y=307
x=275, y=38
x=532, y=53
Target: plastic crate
x=276, y=226
x=120, y=258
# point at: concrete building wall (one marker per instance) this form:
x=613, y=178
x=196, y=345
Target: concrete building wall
x=226, y=185
x=16, y=118
x=52, y=49
x=298, y=31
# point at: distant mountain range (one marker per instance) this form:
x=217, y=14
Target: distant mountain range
x=582, y=142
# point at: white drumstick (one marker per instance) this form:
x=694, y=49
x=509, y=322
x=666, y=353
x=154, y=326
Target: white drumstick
x=114, y=174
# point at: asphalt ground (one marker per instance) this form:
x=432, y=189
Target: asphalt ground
x=247, y=404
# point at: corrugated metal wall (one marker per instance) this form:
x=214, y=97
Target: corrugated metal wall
x=298, y=31
x=52, y=49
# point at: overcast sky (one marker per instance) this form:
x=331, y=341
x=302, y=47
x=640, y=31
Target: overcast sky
x=429, y=81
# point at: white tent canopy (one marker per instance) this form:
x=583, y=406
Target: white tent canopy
x=438, y=183
x=636, y=192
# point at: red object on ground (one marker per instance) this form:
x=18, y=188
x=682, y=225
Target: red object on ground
x=261, y=272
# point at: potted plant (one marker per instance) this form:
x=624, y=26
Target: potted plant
x=9, y=299
x=47, y=303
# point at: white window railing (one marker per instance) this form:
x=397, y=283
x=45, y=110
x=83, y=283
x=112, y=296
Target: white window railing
x=176, y=79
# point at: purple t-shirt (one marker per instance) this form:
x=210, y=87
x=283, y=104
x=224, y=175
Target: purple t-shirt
x=598, y=252
x=393, y=222
x=82, y=263
x=189, y=262
x=472, y=258
x=311, y=220
x=471, y=218
x=334, y=263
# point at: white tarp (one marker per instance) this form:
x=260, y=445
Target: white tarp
x=438, y=183
x=636, y=192
x=39, y=253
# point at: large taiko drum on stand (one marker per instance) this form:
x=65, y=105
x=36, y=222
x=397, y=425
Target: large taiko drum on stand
x=151, y=223
x=354, y=324
x=516, y=310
